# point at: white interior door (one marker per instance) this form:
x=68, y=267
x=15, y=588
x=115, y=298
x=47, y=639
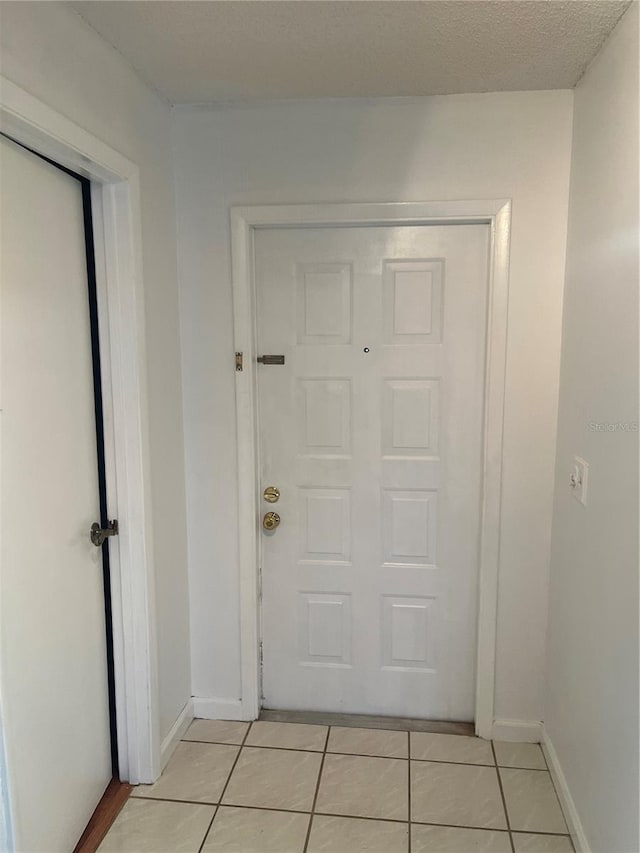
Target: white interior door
x=54, y=673
x=372, y=432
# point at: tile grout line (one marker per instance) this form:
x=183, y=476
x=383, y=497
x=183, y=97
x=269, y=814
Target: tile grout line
x=315, y=796
x=541, y=832
x=354, y=817
x=222, y=793
x=369, y=755
x=215, y=812
x=504, y=802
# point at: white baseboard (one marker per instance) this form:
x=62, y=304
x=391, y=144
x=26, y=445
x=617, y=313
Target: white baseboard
x=517, y=731
x=177, y=730
x=564, y=795
x=219, y=709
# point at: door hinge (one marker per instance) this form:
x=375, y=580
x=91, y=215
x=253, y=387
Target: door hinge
x=260, y=583
x=261, y=654
x=239, y=362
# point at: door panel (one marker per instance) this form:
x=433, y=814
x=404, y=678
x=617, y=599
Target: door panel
x=54, y=670
x=372, y=431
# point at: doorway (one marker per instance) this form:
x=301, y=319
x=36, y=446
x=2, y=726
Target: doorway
x=370, y=436
x=403, y=631
x=117, y=221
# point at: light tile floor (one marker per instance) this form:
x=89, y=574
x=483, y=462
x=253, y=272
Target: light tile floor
x=291, y=788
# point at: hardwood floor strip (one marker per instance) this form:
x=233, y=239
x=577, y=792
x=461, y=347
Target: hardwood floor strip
x=107, y=810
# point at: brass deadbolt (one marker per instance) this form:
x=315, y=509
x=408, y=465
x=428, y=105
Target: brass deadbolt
x=271, y=521
x=271, y=494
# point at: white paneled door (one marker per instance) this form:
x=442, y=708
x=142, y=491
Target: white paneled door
x=372, y=430
x=55, y=708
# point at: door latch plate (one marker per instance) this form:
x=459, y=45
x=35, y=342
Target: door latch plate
x=99, y=534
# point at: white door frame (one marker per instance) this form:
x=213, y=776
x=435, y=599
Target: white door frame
x=115, y=193
x=244, y=221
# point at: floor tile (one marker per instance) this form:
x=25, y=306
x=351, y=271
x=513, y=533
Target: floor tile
x=457, y=795
x=256, y=831
x=147, y=827
x=216, y=731
x=287, y=735
x=524, y=755
x=274, y=779
x=444, y=839
x=526, y=843
x=457, y=749
x=364, y=787
x=196, y=771
x=531, y=801
x=353, y=835
x=381, y=742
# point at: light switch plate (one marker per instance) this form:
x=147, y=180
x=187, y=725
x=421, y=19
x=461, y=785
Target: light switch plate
x=579, y=479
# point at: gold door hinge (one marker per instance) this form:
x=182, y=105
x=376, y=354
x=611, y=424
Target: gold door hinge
x=239, y=362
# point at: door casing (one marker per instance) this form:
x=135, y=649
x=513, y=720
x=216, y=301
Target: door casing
x=244, y=221
x=115, y=198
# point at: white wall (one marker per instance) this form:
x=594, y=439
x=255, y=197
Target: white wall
x=592, y=692
x=49, y=51
x=513, y=145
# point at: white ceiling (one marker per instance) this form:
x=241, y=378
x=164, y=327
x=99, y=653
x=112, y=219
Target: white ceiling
x=203, y=52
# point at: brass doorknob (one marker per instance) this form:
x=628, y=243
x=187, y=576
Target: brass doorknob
x=271, y=521
x=271, y=494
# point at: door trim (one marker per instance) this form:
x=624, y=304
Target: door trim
x=115, y=199
x=244, y=221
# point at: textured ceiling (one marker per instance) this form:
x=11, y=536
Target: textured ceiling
x=203, y=52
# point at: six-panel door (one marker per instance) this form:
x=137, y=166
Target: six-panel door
x=372, y=431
